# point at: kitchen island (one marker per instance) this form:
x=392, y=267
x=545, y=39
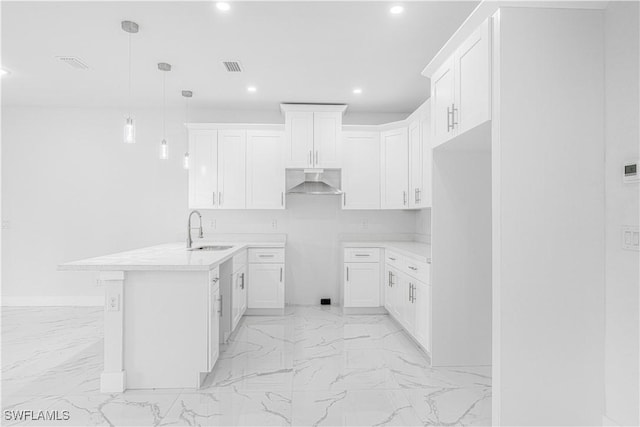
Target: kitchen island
x=163, y=311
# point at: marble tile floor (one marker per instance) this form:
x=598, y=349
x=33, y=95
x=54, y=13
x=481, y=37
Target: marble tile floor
x=313, y=366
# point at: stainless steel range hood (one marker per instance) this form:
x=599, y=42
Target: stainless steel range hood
x=315, y=184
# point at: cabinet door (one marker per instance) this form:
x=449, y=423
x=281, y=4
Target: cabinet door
x=236, y=295
x=214, y=322
x=299, y=140
x=394, y=169
x=265, y=170
x=361, y=170
x=422, y=331
x=427, y=159
x=472, y=82
x=243, y=290
x=405, y=305
x=442, y=100
x=203, y=178
x=327, y=129
x=362, y=284
x=415, y=165
x=266, y=286
x=232, y=150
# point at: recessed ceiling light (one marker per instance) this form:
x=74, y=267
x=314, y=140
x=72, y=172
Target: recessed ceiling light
x=251, y=89
x=396, y=10
x=223, y=6
x=4, y=72
x=357, y=91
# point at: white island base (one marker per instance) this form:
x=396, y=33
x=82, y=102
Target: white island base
x=161, y=328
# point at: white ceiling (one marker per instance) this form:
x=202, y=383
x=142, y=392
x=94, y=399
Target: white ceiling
x=291, y=51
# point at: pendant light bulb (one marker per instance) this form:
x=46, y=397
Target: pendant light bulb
x=164, y=150
x=185, y=161
x=129, y=131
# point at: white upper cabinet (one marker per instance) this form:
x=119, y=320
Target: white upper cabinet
x=203, y=173
x=232, y=147
x=361, y=170
x=425, y=197
x=416, y=183
x=460, y=88
x=394, y=169
x=265, y=170
x=442, y=102
x=298, y=130
x=313, y=135
x=472, y=66
x=327, y=130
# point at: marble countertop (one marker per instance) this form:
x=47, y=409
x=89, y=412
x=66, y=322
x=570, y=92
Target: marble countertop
x=416, y=250
x=165, y=257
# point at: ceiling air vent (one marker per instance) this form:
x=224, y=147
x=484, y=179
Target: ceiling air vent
x=233, y=66
x=72, y=61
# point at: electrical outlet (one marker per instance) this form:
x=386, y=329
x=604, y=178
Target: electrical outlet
x=274, y=224
x=364, y=224
x=212, y=224
x=6, y=224
x=113, y=302
x=630, y=238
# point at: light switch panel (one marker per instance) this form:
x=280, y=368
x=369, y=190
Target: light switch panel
x=113, y=302
x=630, y=238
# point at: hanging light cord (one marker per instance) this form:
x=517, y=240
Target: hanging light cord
x=129, y=74
x=186, y=120
x=164, y=105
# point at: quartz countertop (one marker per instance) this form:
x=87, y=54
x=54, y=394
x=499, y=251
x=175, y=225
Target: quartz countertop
x=416, y=250
x=165, y=257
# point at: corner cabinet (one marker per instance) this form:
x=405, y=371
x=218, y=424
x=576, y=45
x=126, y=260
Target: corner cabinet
x=360, y=170
x=460, y=88
x=313, y=135
x=394, y=169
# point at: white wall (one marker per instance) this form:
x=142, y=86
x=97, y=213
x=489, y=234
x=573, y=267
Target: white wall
x=71, y=189
x=548, y=165
x=622, y=139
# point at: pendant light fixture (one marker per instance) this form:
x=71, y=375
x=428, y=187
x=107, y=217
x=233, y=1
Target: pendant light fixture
x=164, y=147
x=129, y=27
x=187, y=95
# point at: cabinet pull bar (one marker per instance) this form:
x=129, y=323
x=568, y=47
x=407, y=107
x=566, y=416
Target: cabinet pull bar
x=347, y=274
x=282, y=198
x=310, y=160
x=404, y=198
x=220, y=198
x=454, y=110
x=362, y=254
x=214, y=198
x=413, y=268
x=448, y=119
x=316, y=157
x=266, y=255
x=280, y=274
x=409, y=292
x=344, y=199
x=220, y=306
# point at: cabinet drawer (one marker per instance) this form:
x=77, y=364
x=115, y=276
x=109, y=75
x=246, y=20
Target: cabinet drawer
x=361, y=255
x=416, y=269
x=392, y=258
x=239, y=260
x=266, y=255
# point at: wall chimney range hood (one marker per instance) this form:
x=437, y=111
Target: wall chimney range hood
x=315, y=182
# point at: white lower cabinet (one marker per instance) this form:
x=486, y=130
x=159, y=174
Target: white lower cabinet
x=213, y=324
x=362, y=278
x=408, y=296
x=266, y=279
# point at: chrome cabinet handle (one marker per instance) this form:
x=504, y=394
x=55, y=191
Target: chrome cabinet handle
x=409, y=292
x=448, y=119
x=454, y=110
x=214, y=198
x=404, y=198
x=347, y=274
x=220, y=198
x=220, y=305
x=266, y=255
x=392, y=259
x=419, y=198
x=413, y=268
x=310, y=158
x=280, y=274
x=316, y=157
x=344, y=199
x=282, y=198
x=415, y=195
x=363, y=255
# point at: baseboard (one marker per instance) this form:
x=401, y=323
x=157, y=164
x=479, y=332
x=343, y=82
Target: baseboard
x=70, y=301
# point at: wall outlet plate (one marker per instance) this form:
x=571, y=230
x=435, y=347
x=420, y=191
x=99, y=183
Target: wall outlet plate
x=630, y=238
x=630, y=172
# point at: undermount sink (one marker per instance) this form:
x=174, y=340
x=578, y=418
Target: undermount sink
x=210, y=248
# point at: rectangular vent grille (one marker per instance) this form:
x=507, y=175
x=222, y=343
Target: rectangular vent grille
x=74, y=62
x=233, y=66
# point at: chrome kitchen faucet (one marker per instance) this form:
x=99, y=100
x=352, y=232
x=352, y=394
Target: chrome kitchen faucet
x=189, y=228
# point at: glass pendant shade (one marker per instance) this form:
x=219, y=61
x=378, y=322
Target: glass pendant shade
x=129, y=131
x=164, y=150
x=185, y=161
